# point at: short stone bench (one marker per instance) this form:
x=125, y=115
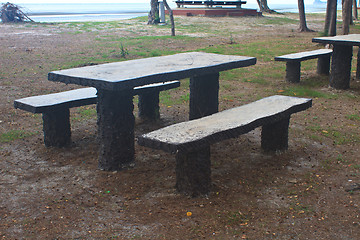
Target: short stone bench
x=56, y=114
x=191, y=140
x=293, y=62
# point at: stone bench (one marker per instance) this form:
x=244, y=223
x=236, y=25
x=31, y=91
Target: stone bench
x=293, y=62
x=56, y=114
x=191, y=140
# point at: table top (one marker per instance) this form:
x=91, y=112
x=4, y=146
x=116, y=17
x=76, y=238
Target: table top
x=129, y=74
x=350, y=40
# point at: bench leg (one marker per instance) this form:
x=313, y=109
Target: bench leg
x=341, y=67
x=275, y=136
x=293, y=72
x=204, y=95
x=115, y=129
x=56, y=127
x=323, y=67
x=149, y=105
x=193, y=172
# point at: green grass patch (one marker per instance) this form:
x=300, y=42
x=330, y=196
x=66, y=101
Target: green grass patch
x=14, y=135
x=87, y=112
x=236, y=219
x=353, y=117
x=338, y=137
x=303, y=91
x=278, y=21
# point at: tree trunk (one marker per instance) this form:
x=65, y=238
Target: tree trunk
x=303, y=27
x=333, y=18
x=346, y=15
x=351, y=13
x=153, y=17
x=171, y=17
x=328, y=16
x=263, y=6
x=355, y=12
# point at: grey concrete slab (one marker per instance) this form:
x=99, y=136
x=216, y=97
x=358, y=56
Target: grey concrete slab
x=302, y=56
x=49, y=102
x=133, y=73
x=77, y=97
x=192, y=135
x=350, y=40
x=157, y=86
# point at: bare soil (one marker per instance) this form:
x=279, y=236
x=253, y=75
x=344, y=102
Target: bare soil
x=307, y=192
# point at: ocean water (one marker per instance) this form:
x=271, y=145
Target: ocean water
x=70, y=12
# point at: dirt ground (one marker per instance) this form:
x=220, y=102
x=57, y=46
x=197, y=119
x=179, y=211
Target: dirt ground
x=307, y=192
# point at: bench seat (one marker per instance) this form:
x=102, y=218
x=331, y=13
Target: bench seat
x=211, y=3
x=55, y=108
x=293, y=62
x=191, y=140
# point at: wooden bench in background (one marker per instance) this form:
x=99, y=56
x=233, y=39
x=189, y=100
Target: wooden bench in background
x=293, y=63
x=210, y=3
x=191, y=140
x=56, y=114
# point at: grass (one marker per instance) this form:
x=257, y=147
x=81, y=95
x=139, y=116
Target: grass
x=14, y=135
x=304, y=91
x=353, y=117
x=236, y=219
x=338, y=136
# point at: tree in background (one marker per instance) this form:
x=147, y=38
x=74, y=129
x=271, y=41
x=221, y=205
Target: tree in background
x=330, y=19
x=171, y=18
x=303, y=27
x=346, y=16
x=355, y=12
x=153, y=17
x=263, y=6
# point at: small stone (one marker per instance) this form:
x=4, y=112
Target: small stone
x=352, y=187
x=294, y=181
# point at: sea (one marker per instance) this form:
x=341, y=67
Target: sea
x=80, y=12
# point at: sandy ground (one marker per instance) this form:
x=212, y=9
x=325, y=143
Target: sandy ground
x=307, y=192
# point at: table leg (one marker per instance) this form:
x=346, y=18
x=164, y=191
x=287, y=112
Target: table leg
x=149, y=108
x=358, y=64
x=204, y=95
x=341, y=67
x=115, y=129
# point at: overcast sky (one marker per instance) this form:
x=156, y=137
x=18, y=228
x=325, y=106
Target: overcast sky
x=134, y=1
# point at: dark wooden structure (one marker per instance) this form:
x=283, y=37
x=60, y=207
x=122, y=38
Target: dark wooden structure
x=210, y=3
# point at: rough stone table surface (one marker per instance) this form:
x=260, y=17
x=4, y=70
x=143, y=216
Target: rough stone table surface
x=350, y=40
x=301, y=56
x=223, y=125
x=133, y=73
x=69, y=99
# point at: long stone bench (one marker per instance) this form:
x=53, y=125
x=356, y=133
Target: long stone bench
x=191, y=140
x=56, y=114
x=293, y=63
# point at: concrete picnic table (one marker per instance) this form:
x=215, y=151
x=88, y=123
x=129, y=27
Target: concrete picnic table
x=114, y=83
x=341, y=58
